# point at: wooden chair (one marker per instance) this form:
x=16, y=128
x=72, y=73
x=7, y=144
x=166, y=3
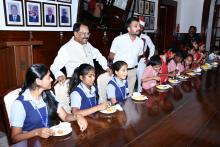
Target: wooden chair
x=102, y=82
x=61, y=92
x=8, y=100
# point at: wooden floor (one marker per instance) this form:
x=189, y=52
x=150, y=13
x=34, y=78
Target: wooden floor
x=186, y=115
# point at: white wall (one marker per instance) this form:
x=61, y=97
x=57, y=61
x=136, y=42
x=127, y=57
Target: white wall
x=189, y=12
x=74, y=9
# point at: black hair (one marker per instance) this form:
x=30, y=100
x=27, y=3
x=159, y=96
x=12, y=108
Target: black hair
x=82, y=70
x=179, y=53
x=130, y=20
x=76, y=26
x=193, y=27
x=39, y=71
x=117, y=66
x=155, y=60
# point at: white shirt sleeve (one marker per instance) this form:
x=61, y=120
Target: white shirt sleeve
x=115, y=46
x=59, y=62
x=151, y=46
x=110, y=91
x=17, y=115
x=75, y=99
x=99, y=57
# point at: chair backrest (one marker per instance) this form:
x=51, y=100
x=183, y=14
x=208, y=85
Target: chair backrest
x=102, y=82
x=61, y=92
x=10, y=98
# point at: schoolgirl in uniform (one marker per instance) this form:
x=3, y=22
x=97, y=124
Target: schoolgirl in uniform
x=83, y=93
x=117, y=89
x=36, y=109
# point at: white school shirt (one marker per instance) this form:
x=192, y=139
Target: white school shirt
x=18, y=113
x=127, y=50
x=73, y=54
x=213, y=56
x=76, y=98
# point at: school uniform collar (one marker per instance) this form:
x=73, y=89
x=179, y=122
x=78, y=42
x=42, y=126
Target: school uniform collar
x=87, y=90
x=28, y=97
x=119, y=82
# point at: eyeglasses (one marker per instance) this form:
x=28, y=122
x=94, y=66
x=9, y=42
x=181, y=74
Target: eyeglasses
x=85, y=33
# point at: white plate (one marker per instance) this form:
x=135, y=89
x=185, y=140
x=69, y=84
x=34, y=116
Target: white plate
x=139, y=98
x=62, y=129
x=174, y=81
x=191, y=73
x=163, y=87
x=183, y=77
x=109, y=110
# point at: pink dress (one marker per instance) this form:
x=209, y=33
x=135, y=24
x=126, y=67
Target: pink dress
x=171, y=66
x=149, y=72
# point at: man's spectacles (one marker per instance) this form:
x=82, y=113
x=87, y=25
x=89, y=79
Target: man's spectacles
x=85, y=33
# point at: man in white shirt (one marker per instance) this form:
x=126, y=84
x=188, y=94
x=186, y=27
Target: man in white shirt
x=128, y=47
x=147, y=52
x=76, y=52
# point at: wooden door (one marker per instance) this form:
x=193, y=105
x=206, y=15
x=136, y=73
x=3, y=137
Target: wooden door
x=166, y=25
x=216, y=27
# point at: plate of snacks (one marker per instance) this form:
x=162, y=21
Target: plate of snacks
x=109, y=110
x=62, y=129
x=138, y=97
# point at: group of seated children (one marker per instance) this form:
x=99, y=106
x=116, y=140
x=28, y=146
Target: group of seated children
x=37, y=108
x=175, y=62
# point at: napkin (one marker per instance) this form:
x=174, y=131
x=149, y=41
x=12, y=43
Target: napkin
x=118, y=107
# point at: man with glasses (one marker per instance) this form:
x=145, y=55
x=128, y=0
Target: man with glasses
x=76, y=52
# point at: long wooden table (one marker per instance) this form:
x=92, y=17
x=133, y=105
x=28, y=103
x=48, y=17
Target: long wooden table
x=186, y=115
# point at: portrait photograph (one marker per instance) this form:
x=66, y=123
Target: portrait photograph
x=147, y=8
x=147, y=23
x=152, y=8
x=141, y=7
x=152, y=23
x=64, y=15
x=50, y=14
x=13, y=13
x=120, y=4
x=65, y=1
x=33, y=13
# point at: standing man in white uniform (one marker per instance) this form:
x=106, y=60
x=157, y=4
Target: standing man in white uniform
x=128, y=47
x=147, y=43
x=76, y=52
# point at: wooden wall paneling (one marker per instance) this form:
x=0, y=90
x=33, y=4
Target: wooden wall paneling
x=8, y=73
x=45, y=54
x=23, y=60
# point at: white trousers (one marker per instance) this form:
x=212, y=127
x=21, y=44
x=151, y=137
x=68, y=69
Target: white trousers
x=140, y=71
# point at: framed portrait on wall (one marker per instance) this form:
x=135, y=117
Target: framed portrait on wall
x=120, y=4
x=147, y=8
x=152, y=8
x=141, y=7
x=147, y=23
x=152, y=19
x=64, y=15
x=65, y=1
x=33, y=13
x=13, y=13
x=50, y=14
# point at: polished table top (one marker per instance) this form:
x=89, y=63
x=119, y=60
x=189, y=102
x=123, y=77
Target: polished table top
x=185, y=115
